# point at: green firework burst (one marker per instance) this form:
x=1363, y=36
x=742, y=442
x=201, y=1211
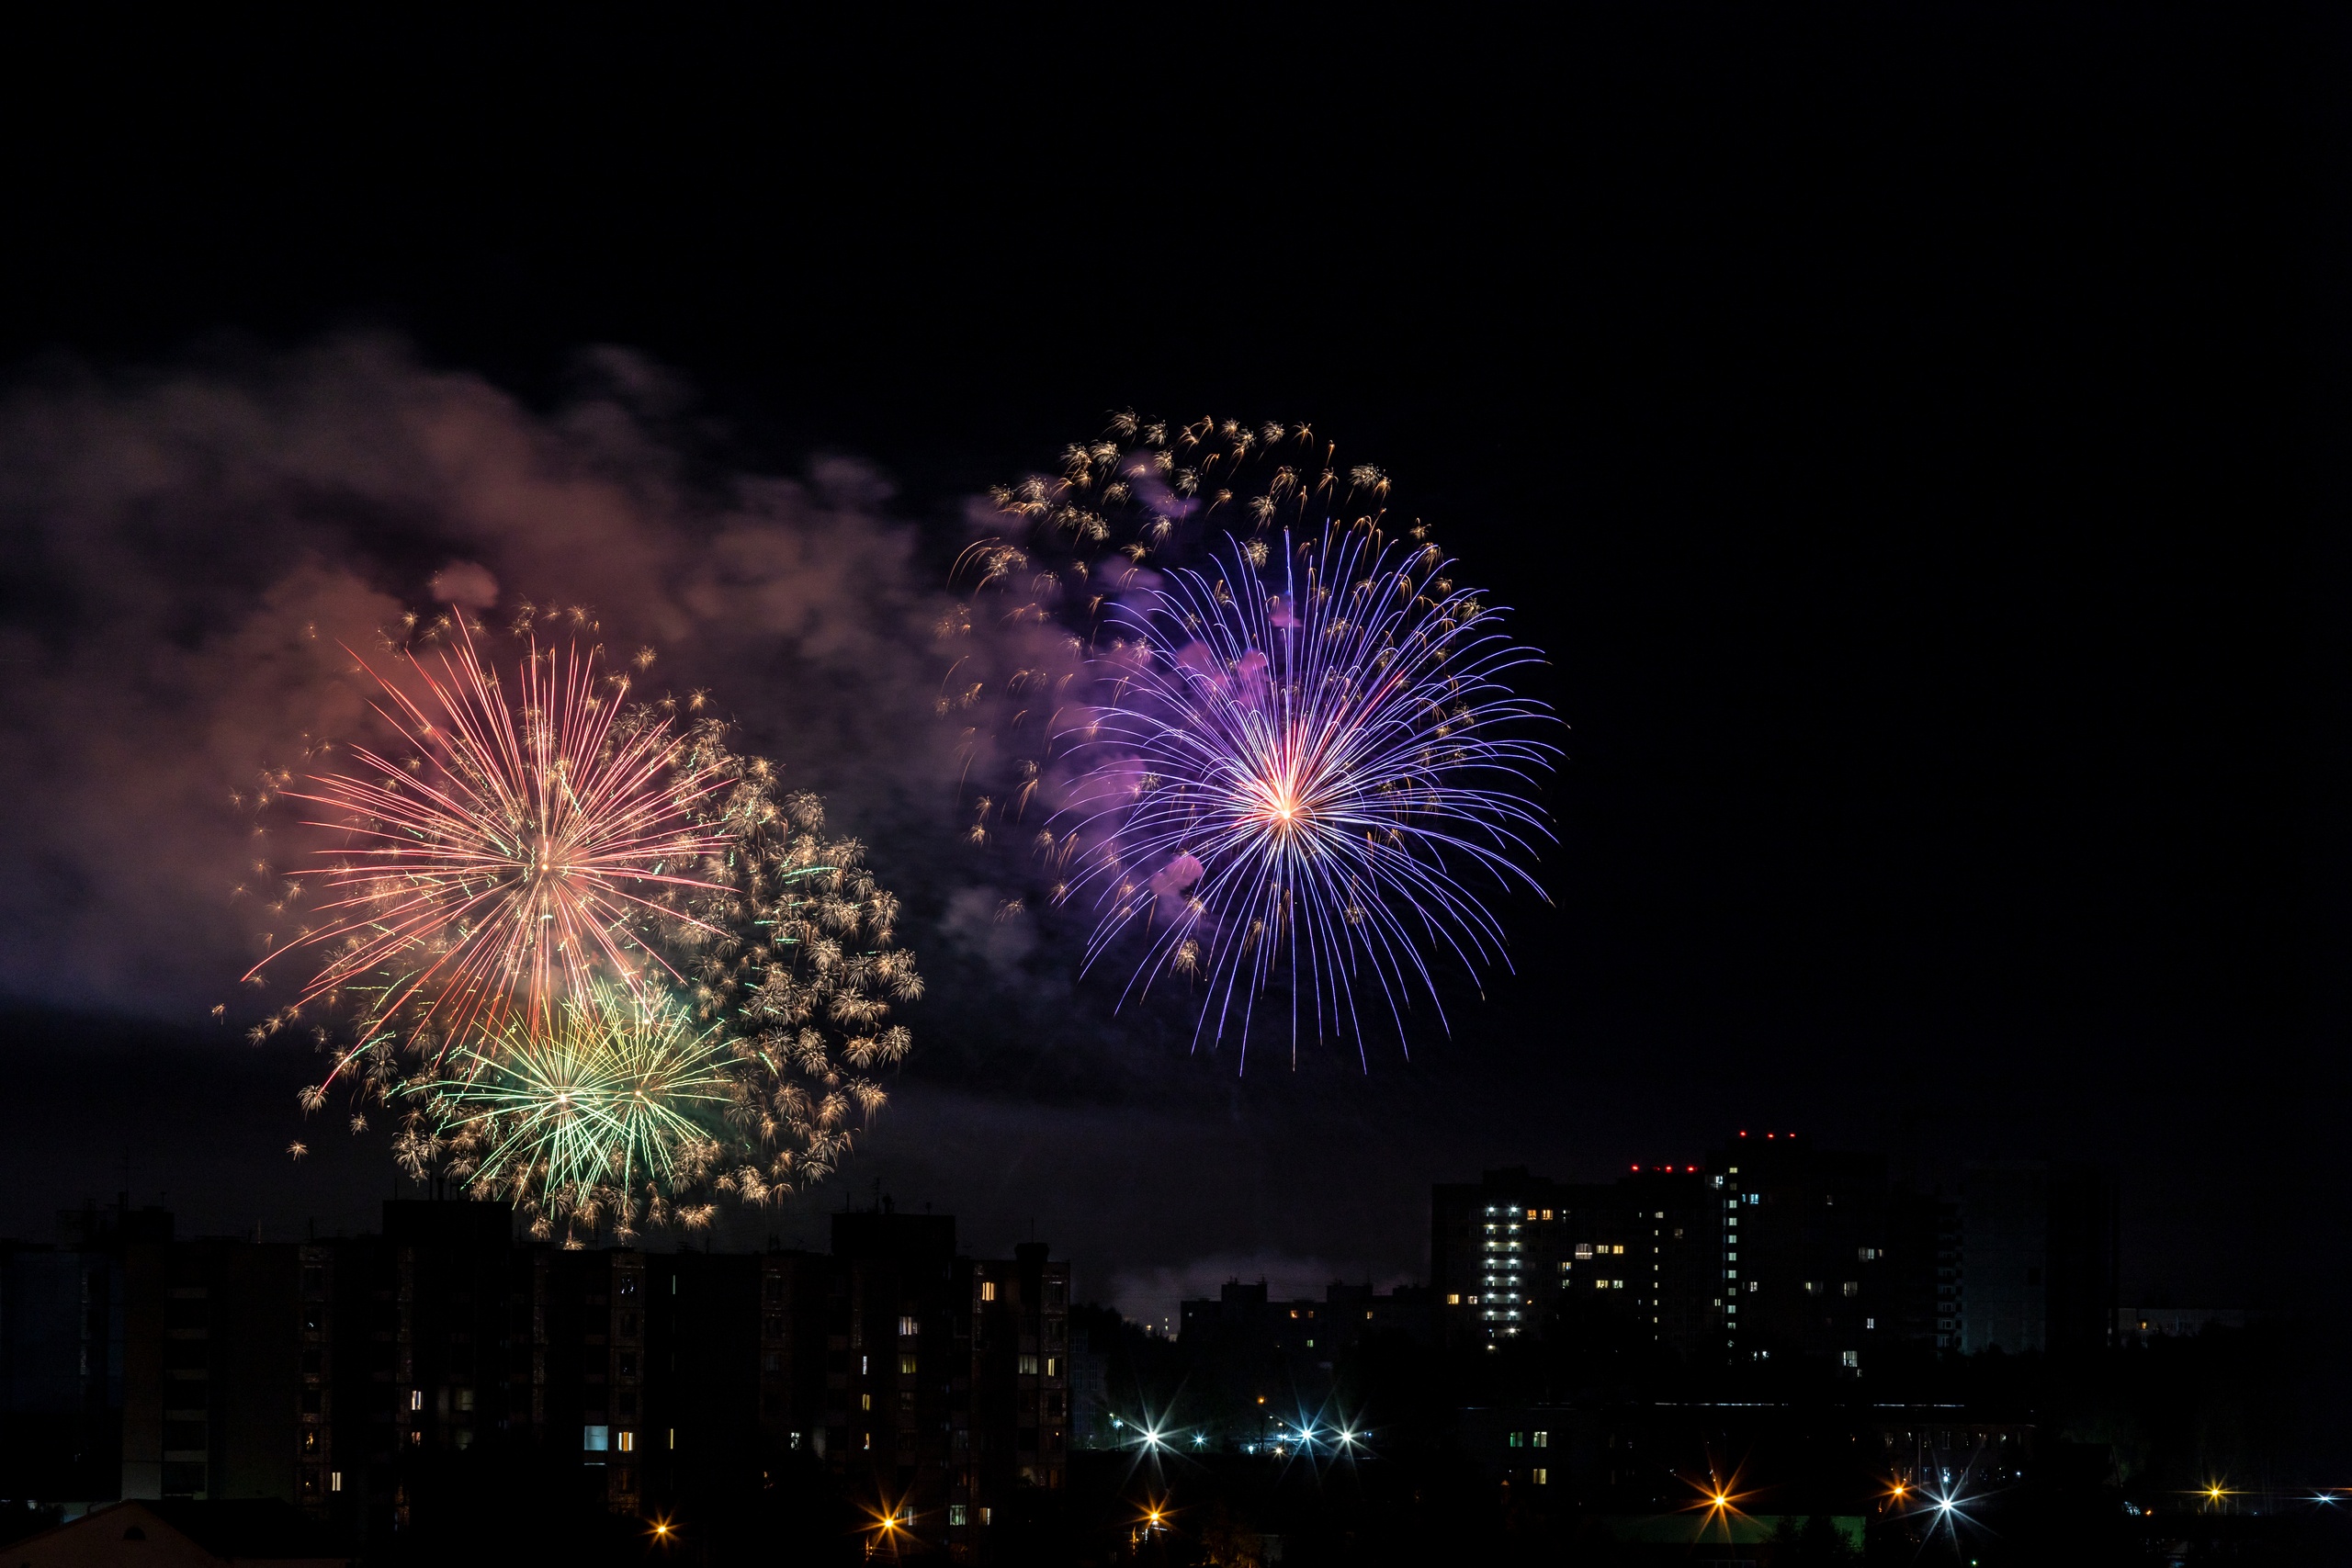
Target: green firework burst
x=614, y=1100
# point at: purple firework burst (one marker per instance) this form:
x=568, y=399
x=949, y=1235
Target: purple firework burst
x=1292, y=769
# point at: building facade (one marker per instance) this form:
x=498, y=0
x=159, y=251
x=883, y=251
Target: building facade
x=443, y=1369
x=1778, y=1249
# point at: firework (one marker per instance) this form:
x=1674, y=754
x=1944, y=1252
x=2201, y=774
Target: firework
x=1293, y=765
x=613, y=1109
x=518, y=853
x=795, y=951
x=601, y=964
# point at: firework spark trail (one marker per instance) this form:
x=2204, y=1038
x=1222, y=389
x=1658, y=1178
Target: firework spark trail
x=512, y=863
x=1287, y=778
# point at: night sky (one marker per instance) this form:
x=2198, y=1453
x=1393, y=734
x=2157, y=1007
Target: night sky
x=1916, y=442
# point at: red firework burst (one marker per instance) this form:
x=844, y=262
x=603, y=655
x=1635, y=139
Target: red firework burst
x=521, y=851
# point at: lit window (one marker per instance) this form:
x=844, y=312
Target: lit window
x=1869, y=1323
x=1852, y=1288
x=1547, y=1214
x=1531, y=1213
x=416, y=1399
x=627, y=1442
x=1853, y=1358
x=1517, y=1439
x=1543, y=1439
x=907, y=1329
x=334, y=1481
x=907, y=1363
x=1028, y=1366
x=955, y=1516
x=1053, y=1363
x=865, y=1402
x=674, y=1437
x=987, y=1515
x=1542, y=1477
x=988, y=1294
x=595, y=1439
x=1453, y=1300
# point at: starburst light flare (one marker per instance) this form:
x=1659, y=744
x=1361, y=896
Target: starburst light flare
x=523, y=851
x=1290, y=771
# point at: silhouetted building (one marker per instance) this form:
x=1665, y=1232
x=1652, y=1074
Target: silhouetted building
x=211, y=1375
x=1257, y=1363
x=61, y=1353
x=1089, y=1394
x=2038, y=1264
x=935, y=1387
x=445, y=1369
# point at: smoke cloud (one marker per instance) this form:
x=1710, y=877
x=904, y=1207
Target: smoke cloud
x=191, y=550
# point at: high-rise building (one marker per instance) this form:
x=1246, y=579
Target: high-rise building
x=62, y=1327
x=211, y=1380
x=1511, y=1253
x=935, y=1387
x=2038, y=1259
x=1806, y=1267
x=1497, y=1247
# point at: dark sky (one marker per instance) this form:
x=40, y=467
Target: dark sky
x=1914, y=439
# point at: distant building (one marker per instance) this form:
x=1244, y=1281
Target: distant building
x=2140, y=1325
x=2037, y=1258
x=1306, y=1332
x=1514, y=1254
x=1264, y=1364
x=1779, y=1249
